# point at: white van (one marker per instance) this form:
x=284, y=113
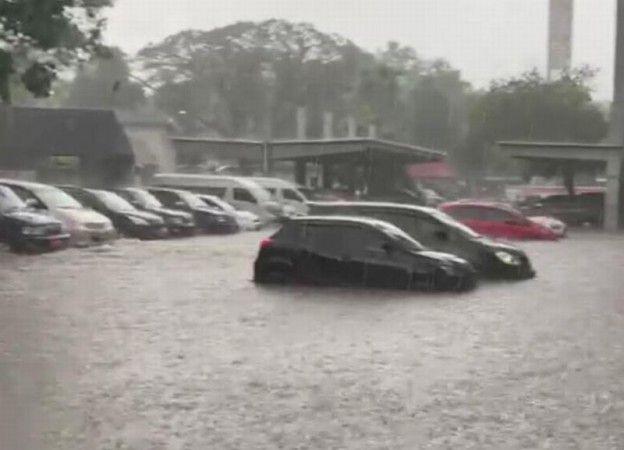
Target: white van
x=285, y=193
x=242, y=193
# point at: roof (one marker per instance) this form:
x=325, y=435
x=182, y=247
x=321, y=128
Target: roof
x=421, y=209
x=270, y=181
x=437, y=169
x=344, y=219
x=33, y=133
x=288, y=150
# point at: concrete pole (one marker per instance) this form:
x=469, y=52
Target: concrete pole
x=616, y=130
x=372, y=131
x=328, y=125
x=351, y=127
x=302, y=123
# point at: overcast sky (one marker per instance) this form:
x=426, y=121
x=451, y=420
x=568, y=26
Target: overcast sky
x=485, y=39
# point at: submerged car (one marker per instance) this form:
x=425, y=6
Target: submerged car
x=246, y=219
x=208, y=220
x=128, y=220
x=179, y=223
x=357, y=251
x=84, y=225
x=28, y=231
x=440, y=232
x=497, y=220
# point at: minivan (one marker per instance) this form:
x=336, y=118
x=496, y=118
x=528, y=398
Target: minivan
x=285, y=193
x=440, y=232
x=242, y=193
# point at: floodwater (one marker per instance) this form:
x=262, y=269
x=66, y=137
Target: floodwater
x=168, y=345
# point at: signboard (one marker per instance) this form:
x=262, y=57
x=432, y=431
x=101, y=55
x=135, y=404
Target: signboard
x=561, y=16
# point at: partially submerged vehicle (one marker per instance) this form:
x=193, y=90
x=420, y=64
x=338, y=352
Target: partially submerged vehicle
x=438, y=231
x=357, y=251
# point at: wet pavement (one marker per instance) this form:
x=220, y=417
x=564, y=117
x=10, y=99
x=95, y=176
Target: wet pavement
x=168, y=345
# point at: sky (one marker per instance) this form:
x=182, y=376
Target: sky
x=484, y=39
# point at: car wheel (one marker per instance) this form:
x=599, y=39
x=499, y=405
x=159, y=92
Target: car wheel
x=276, y=275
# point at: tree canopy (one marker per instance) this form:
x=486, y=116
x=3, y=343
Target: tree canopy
x=531, y=108
x=38, y=38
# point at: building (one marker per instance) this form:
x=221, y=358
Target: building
x=94, y=147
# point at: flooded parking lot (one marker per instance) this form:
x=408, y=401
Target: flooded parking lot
x=168, y=345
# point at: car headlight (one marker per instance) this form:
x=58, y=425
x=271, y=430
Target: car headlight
x=33, y=231
x=139, y=221
x=508, y=258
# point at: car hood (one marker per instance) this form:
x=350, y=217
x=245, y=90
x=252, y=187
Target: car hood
x=144, y=215
x=499, y=246
x=80, y=215
x=166, y=212
x=31, y=217
x=444, y=257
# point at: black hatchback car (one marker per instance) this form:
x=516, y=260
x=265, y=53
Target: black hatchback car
x=128, y=220
x=207, y=219
x=25, y=230
x=356, y=251
x=179, y=223
x=438, y=231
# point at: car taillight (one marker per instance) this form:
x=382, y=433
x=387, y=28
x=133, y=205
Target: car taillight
x=265, y=243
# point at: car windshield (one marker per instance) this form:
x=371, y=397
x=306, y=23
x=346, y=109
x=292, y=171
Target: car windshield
x=146, y=199
x=57, y=199
x=220, y=204
x=114, y=201
x=9, y=201
x=406, y=241
x=448, y=220
x=192, y=200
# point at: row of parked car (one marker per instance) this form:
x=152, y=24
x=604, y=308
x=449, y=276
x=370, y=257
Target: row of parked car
x=38, y=217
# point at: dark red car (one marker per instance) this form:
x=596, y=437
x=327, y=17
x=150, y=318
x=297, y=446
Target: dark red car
x=496, y=220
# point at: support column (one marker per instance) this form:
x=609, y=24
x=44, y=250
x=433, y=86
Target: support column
x=300, y=173
x=612, y=195
x=328, y=175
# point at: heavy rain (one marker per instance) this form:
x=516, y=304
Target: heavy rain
x=234, y=226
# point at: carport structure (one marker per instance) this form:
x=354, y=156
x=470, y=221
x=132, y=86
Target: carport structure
x=610, y=155
x=381, y=163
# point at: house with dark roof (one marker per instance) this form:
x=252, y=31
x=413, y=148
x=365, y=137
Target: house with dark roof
x=86, y=146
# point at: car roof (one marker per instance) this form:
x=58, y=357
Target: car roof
x=163, y=189
x=403, y=206
x=243, y=181
x=273, y=182
x=25, y=184
x=376, y=223
x=478, y=204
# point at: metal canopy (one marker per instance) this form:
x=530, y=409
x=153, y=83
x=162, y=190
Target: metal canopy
x=292, y=150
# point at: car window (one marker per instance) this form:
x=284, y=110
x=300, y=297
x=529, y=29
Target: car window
x=166, y=198
x=243, y=195
x=210, y=190
x=113, y=201
x=56, y=199
x=9, y=200
x=498, y=215
x=291, y=194
x=144, y=198
x=22, y=193
x=466, y=212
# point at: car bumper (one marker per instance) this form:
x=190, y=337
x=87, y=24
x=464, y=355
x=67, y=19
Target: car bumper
x=500, y=271
x=44, y=243
x=88, y=238
x=182, y=229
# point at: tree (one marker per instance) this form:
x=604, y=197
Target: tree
x=531, y=108
x=106, y=82
x=38, y=38
x=249, y=77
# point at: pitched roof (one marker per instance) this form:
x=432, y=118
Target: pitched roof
x=27, y=134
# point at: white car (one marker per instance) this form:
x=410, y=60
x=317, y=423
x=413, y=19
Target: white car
x=555, y=225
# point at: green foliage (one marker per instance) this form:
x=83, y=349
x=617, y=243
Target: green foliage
x=104, y=83
x=247, y=79
x=531, y=108
x=38, y=38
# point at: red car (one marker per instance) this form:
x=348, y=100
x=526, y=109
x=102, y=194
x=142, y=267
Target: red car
x=496, y=220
